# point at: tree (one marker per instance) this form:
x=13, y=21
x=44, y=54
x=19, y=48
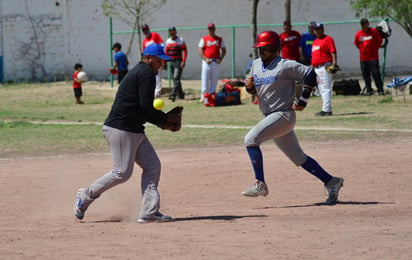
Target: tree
x=133, y=13
x=399, y=10
x=288, y=16
x=33, y=51
x=255, y=4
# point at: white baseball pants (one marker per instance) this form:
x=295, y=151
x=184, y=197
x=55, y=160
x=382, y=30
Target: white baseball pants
x=210, y=76
x=158, y=89
x=325, y=87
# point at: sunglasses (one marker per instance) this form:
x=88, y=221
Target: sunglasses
x=264, y=48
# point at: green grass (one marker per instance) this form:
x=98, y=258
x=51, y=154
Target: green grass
x=27, y=110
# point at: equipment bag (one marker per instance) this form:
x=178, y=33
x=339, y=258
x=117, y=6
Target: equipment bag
x=347, y=87
x=209, y=99
x=228, y=96
x=385, y=31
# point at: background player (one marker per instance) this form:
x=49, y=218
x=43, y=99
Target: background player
x=120, y=61
x=290, y=40
x=305, y=44
x=150, y=38
x=212, y=50
x=177, y=50
x=368, y=40
x=323, y=56
x=273, y=80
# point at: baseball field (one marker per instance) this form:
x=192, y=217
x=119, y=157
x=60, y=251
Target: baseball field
x=50, y=147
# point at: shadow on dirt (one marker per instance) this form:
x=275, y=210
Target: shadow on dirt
x=219, y=217
x=352, y=114
x=337, y=203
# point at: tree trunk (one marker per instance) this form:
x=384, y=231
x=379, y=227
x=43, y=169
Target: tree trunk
x=287, y=11
x=255, y=4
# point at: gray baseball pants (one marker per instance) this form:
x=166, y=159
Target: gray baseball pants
x=278, y=126
x=126, y=149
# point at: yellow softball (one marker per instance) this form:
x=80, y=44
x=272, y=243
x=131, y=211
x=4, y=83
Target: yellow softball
x=158, y=104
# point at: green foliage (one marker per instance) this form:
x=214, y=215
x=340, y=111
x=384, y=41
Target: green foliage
x=400, y=11
x=131, y=12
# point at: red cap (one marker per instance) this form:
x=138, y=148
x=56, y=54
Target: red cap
x=211, y=25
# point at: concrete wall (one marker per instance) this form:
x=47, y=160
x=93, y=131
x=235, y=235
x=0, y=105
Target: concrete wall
x=71, y=31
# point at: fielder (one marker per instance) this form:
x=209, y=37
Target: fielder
x=124, y=132
x=273, y=80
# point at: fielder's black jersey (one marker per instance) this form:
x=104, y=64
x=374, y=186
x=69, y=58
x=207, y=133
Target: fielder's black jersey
x=133, y=104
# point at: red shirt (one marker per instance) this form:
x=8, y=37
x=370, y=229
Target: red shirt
x=322, y=49
x=151, y=38
x=368, y=44
x=290, y=45
x=76, y=84
x=176, y=48
x=211, y=46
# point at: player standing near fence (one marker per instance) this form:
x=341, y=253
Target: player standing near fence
x=368, y=40
x=120, y=61
x=324, y=56
x=177, y=50
x=150, y=38
x=212, y=50
x=273, y=80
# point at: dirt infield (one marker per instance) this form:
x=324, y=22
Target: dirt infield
x=201, y=189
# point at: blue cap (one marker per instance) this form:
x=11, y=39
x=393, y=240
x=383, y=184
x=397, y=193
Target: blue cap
x=318, y=25
x=157, y=50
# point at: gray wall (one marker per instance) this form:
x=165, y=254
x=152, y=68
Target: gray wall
x=77, y=31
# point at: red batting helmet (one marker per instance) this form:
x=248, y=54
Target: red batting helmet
x=268, y=38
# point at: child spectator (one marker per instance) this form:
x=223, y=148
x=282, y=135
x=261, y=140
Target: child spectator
x=77, y=84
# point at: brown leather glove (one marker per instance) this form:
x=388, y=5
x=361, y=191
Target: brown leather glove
x=332, y=69
x=174, y=120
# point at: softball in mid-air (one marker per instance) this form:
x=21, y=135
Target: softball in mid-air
x=158, y=104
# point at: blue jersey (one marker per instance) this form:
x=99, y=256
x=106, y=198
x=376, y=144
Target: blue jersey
x=306, y=43
x=121, y=60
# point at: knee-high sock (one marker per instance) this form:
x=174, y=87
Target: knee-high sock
x=315, y=169
x=255, y=155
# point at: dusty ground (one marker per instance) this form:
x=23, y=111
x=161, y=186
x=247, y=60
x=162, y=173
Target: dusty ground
x=201, y=189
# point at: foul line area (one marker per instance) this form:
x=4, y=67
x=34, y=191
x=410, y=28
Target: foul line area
x=347, y=129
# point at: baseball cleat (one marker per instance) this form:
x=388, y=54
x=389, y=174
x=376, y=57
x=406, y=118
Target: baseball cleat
x=333, y=187
x=323, y=113
x=158, y=217
x=79, y=206
x=259, y=188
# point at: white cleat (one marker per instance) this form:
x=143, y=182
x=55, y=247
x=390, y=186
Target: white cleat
x=259, y=188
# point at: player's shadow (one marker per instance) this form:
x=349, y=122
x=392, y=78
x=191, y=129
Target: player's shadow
x=353, y=114
x=219, y=217
x=319, y=204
